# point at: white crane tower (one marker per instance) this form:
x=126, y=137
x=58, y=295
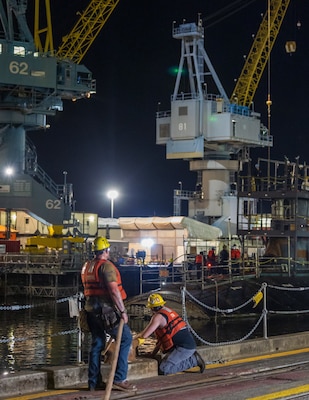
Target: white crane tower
x=204, y=127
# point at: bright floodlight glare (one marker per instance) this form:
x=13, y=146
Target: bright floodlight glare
x=147, y=242
x=112, y=195
x=9, y=171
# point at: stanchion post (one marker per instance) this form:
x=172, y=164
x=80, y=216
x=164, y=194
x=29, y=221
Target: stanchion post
x=203, y=274
x=264, y=286
x=140, y=279
x=79, y=341
x=183, y=304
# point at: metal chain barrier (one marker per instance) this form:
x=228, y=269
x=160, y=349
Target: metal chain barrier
x=261, y=293
x=28, y=306
x=23, y=339
x=289, y=312
x=288, y=289
x=16, y=307
x=215, y=309
x=185, y=317
x=229, y=342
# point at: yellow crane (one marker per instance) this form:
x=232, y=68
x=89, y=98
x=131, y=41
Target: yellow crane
x=75, y=45
x=257, y=59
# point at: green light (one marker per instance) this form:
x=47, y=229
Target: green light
x=175, y=70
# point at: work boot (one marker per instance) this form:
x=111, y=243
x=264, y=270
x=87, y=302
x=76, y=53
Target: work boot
x=125, y=386
x=200, y=362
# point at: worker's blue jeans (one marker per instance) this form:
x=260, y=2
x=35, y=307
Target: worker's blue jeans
x=179, y=359
x=98, y=345
x=125, y=344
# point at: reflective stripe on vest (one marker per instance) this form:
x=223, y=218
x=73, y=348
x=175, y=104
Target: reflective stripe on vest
x=93, y=282
x=174, y=324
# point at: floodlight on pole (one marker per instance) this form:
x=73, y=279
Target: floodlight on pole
x=112, y=195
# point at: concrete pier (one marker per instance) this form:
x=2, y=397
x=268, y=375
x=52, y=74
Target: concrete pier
x=27, y=382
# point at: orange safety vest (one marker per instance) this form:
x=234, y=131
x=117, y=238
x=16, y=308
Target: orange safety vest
x=235, y=254
x=93, y=282
x=199, y=259
x=174, y=324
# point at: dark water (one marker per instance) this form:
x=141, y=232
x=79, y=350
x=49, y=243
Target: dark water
x=42, y=336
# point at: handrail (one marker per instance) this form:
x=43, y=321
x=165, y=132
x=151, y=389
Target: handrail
x=22, y=262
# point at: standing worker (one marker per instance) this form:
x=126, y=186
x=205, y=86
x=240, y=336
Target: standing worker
x=235, y=257
x=224, y=255
x=104, y=296
x=211, y=260
x=198, y=264
x=224, y=259
x=173, y=338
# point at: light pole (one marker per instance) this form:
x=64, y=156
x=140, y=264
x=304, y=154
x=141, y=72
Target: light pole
x=180, y=185
x=112, y=195
x=65, y=185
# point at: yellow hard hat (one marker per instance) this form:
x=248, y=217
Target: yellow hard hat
x=100, y=243
x=155, y=300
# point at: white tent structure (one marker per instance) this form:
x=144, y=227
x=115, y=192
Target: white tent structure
x=168, y=238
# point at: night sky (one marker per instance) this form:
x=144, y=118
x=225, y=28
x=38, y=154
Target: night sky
x=109, y=141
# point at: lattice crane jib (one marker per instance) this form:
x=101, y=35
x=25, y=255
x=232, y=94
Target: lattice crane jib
x=257, y=59
x=43, y=32
x=75, y=45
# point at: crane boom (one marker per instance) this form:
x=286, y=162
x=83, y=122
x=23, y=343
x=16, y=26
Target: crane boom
x=75, y=45
x=34, y=81
x=45, y=32
x=252, y=71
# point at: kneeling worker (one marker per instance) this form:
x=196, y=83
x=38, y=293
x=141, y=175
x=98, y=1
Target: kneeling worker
x=173, y=338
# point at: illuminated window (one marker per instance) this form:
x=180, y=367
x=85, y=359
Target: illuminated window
x=19, y=50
